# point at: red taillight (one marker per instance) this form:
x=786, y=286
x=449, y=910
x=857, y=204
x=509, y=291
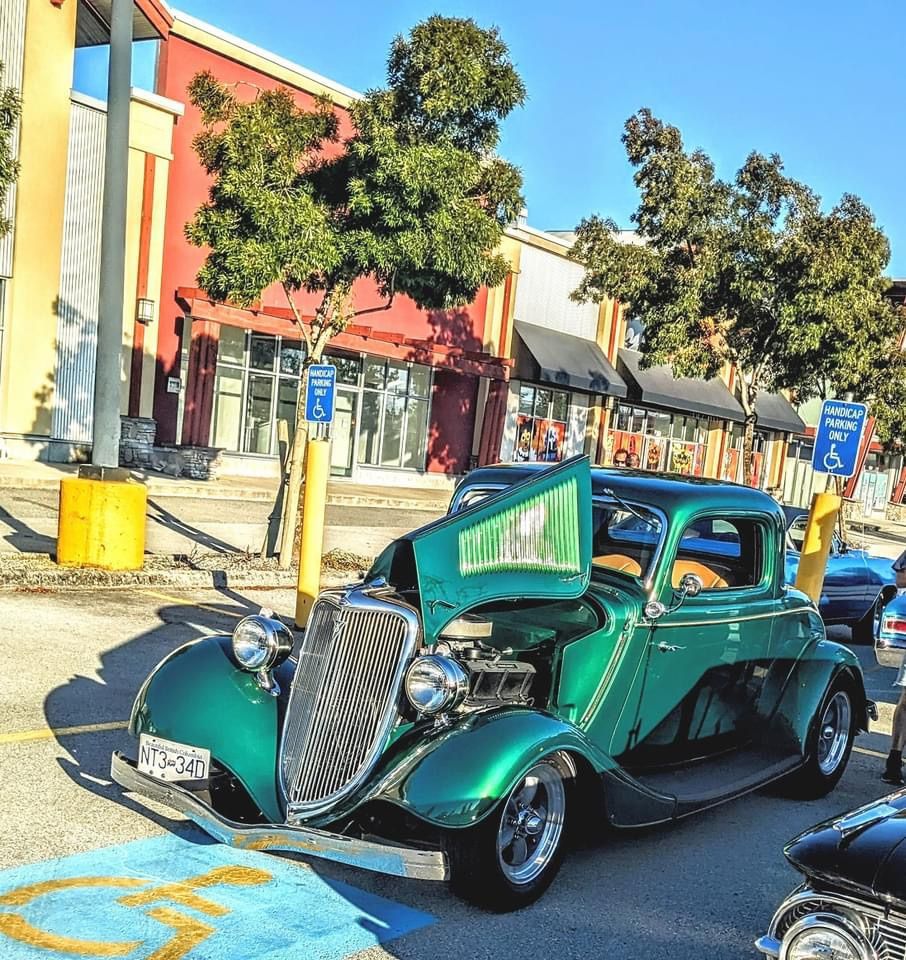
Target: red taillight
x=894, y=625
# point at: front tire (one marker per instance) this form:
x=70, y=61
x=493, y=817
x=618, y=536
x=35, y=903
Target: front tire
x=509, y=859
x=830, y=744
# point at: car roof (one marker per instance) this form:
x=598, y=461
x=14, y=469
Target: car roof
x=671, y=492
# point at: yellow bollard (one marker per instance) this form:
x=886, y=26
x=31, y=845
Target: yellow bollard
x=314, y=504
x=816, y=544
x=102, y=523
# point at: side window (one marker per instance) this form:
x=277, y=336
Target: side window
x=727, y=553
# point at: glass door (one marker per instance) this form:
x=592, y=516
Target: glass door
x=342, y=433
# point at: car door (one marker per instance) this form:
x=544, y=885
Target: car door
x=707, y=658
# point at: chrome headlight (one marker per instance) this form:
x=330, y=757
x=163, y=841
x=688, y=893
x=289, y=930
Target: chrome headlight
x=435, y=683
x=260, y=643
x=821, y=938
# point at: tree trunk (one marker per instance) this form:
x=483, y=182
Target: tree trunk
x=747, y=395
x=748, y=442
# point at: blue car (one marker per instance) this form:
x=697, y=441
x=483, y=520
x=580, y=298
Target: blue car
x=857, y=586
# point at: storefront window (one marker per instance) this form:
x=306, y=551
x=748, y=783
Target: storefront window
x=262, y=351
x=657, y=440
x=394, y=421
x=541, y=424
x=257, y=384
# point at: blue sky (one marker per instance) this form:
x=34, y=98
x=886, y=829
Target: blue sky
x=820, y=83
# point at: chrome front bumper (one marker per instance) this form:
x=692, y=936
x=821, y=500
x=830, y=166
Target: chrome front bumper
x=397, y=861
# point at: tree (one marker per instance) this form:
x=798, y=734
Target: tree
x=416, y=200
x=10, y=110
x=748, y=272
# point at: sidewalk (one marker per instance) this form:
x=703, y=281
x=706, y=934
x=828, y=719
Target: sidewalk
x=220, y=516
x=34, y=475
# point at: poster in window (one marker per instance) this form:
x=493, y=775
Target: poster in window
x=523, y=449
x=730, y=470
x=624, y=449
x=653, y=454
x=682, y=458
x=550, y=437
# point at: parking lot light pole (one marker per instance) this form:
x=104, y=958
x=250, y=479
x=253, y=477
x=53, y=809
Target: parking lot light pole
x=102, y=511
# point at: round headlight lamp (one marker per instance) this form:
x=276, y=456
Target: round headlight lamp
x=435, y=683
x=817, y=938
x=260, y=643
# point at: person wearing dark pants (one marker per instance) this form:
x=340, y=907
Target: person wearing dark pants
x=893, y=771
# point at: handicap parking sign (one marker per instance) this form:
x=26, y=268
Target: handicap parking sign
x=320, y=392
x=838, y=436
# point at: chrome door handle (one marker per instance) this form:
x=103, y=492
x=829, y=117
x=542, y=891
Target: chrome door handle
x=665, y=647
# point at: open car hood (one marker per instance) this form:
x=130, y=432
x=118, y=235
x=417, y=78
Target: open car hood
x=532, y=539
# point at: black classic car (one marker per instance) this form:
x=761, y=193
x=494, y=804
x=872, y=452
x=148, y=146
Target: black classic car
x=852, y=905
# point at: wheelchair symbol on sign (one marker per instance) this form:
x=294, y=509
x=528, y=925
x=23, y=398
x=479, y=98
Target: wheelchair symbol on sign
x=832, y=459
x=317, y=411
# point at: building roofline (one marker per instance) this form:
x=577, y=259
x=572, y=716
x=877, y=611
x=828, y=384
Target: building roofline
x=279, y=68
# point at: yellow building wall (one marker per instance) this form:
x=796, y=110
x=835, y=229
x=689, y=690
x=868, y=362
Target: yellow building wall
x=150, y=133
x=29, y=349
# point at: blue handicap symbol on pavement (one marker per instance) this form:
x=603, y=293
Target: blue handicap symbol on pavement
x=837, y=437
x=178, y=897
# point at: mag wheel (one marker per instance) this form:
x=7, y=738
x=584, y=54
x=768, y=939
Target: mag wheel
x=829, y=747
x=511, y=858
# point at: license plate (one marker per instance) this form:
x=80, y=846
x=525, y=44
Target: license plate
x=167, y=760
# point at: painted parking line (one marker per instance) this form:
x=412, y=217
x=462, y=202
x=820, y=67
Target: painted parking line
x=183, y=896
x=49, y=733
x=188, y=602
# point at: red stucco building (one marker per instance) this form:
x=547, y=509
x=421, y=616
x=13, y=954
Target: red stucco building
x=412, y=383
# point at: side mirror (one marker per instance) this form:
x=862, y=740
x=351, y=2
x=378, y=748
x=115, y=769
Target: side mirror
x=842, y=548
x=690, y=585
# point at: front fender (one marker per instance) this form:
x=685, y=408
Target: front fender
x=821, y=663
x=197, y=695
x=455, y=778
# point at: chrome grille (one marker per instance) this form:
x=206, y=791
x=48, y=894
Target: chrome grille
x=883, y=930
x=891, y=940
x=344, y=697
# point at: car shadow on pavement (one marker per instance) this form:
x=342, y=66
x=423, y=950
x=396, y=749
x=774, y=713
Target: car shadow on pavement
x=106, y=699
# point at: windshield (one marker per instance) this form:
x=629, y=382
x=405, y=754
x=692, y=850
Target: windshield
x=625, y=540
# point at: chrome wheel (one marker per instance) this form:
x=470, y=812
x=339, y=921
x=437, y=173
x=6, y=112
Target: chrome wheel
x=834, y=732
x=531, y=824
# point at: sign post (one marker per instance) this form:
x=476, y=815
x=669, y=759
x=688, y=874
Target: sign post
x=836, y=452
x=320, y=401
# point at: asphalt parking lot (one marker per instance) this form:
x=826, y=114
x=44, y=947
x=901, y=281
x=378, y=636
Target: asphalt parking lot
x=87, y=872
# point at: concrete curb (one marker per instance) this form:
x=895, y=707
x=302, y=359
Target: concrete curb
x=50, y=578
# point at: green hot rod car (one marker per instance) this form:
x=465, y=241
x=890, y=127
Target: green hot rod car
x=567, y=648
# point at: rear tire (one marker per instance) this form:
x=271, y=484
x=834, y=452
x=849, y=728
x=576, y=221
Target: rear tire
x=830, y=744
x=509, y=859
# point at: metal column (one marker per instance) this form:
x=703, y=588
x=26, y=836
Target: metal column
x=106, y=433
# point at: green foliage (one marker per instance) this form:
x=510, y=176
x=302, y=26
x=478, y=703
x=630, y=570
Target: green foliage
x=10, y=109
x=416, y=199
x=750, y=272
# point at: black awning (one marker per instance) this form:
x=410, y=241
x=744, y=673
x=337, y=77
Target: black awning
x=774, y=412
x=658, y=386
x=565, y=361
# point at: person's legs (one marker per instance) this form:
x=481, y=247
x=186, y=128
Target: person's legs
x=893, y=772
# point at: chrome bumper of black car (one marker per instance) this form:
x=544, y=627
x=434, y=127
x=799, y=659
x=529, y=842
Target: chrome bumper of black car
x=768, y=946
x=397, y=861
